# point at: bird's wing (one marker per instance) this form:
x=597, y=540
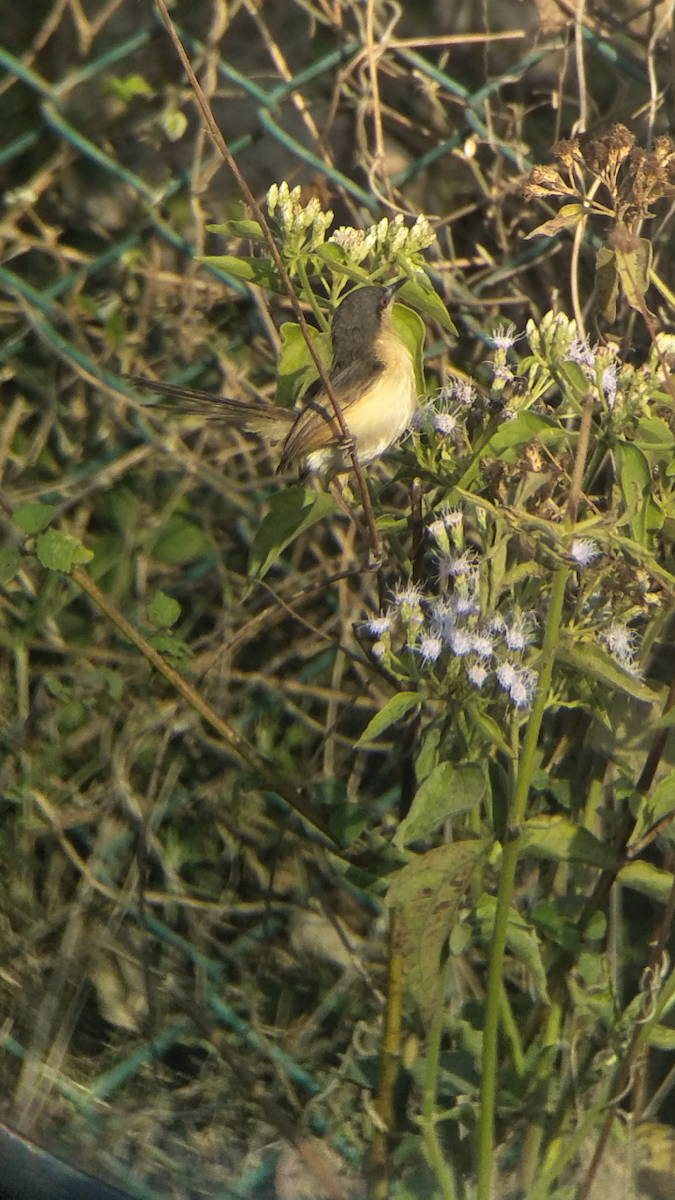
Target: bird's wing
x=316, y=425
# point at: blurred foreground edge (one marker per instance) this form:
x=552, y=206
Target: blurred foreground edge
x=29, y=1173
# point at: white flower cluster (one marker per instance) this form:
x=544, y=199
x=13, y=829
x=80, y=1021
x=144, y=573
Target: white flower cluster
x=504, y=337
x=447, y=414
x=387, y=238
x=622, y=644
x=454, y=621
x=584, y=551
x=357, y=243
x=303, y=226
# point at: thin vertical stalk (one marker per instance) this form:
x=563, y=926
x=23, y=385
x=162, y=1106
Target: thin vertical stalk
x=389, y=1066
x=513, y=837
x=432, y=1146
x=506, y=886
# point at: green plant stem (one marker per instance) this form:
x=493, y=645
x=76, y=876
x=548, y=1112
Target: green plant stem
x=309, y=295
x=517, y=816
x=432, y=1147
x=664, y=290
x=549, y=1174
x=506, y=886
x=511, y=1030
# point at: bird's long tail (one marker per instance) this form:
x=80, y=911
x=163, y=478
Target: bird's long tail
x=273, y=423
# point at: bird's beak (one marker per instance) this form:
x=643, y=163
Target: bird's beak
x=392, y=288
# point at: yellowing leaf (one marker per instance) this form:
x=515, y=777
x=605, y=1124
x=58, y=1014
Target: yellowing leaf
x=425, y=897
x=568, y=218
x=633, y=264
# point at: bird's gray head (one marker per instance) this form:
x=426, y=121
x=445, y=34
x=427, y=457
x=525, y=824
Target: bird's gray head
x=358, y=322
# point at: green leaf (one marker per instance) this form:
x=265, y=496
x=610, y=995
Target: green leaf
x=547, y=917
x=446, y=791
x=568, y=218
x=596, y=927
x=635, y=480
x=59, y=551
x=291, y=511
x=525, y=428
x=426, y=896
x=339, y=262
x=71, y=716
x=563, y=841
x=394, y=709
x=174, y=123
x=511, y=436
x=662, y=1038
x=33, y=518
x=170, y=646
x=521, y=940
x=391, y=521
x=253, y=270
x=596, y=662
x=427, y=758
x=575, y=378
x=655, y=434
x=420, y=292
x=163, y=610
x=647, y=879
x=655, y=807
x=410, y=328
x=11, y=561
x=607, y=282
x=489, y=730
x=127, y=86
x=242, y=229
x=347, y=822
x=180, y=541
x=295, y=368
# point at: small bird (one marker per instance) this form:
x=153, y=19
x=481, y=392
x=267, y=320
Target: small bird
x=373, y=379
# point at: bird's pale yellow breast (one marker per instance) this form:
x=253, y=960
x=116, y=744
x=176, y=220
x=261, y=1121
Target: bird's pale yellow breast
x=379, y=418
